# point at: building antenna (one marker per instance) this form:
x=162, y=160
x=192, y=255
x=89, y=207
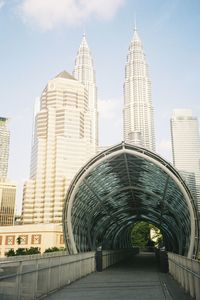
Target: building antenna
x=84, y=30
x=135, y=23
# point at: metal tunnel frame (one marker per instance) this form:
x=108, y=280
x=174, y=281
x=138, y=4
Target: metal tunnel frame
x=121, y=186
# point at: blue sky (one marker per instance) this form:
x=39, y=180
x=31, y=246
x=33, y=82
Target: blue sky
x=40, y=38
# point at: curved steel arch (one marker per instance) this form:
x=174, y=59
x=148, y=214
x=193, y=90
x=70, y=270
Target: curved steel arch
x=120, y=186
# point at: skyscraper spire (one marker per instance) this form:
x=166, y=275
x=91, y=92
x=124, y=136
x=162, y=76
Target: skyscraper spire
x=83, y=69
x=84, y=72
x=135, y=24
x=138, y=110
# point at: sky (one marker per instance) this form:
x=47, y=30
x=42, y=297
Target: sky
x=40, y=38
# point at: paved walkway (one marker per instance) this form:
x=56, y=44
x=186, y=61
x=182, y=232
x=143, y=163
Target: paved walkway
x=138, y=279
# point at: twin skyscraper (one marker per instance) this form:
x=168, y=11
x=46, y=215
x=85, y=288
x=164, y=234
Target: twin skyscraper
x=66, y=129
x=138, y=112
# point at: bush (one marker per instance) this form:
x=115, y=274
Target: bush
x=20, y=251
x=54, y=249
x=33, y=250
x=11, y=252
x=23, y=251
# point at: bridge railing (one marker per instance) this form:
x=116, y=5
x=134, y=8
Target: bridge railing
x=31, y=277
x=112, y=257
x=35, y=277
x=186, y=272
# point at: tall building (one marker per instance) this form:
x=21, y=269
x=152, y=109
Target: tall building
x=189, y=178
x=62, y=144
x=186, y=148
x=84, y=72
x=138, y=111
x=4, y=146
x=7, y=202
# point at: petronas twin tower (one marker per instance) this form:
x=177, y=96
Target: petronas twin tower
x=66, y=129
x=138, y=111
x=84, y=72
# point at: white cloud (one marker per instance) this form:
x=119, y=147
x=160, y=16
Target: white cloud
x=50, y=13
x=2, y=3
x=105, y=9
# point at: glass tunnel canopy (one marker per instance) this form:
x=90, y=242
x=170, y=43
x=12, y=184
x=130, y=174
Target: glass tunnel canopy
x=121, y=186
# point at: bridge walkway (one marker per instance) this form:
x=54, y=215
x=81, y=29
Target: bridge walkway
x=135, y=279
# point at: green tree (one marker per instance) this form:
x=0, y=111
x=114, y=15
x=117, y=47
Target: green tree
x=145, y=235
x=140, y=234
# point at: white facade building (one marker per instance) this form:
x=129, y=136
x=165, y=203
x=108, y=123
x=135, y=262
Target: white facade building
x=62, y=144
x=84, y=72
x=186, y=147
x=43, y=236
x=138, y=111
x=4, y=146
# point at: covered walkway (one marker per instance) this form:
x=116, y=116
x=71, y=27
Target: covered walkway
x=121, y=186
x=138, y=279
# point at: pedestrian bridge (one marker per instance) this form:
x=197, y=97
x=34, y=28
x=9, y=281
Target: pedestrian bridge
x=117, y=188
x=124, y=275
x=121, y=186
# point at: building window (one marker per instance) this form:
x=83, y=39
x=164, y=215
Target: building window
x=23, y=239
x=36, y=239
x=61, y=239
x=10, y=240
x=0, y=240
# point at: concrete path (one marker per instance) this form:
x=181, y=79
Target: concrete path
x=137, y=279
